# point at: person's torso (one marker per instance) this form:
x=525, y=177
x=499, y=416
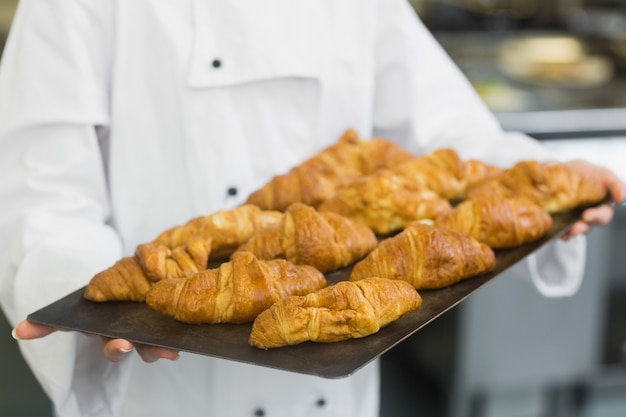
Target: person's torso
x=196, y=386
x=229, y=94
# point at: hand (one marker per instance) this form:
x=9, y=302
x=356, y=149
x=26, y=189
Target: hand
x=603, y=214
x=114, y=349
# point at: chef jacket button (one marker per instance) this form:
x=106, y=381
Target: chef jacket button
x=259, y=412
x=217, y=63
x=321, y=402
x=232, y=191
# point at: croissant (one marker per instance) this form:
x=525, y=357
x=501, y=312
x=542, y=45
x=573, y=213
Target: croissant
x=123, y=281
x=385, y=202
x=160, y=262
x=343, y=311
x=327, y=241
x=178, y=252
x=498, y=222
x=130, y=278
x=317, y=178
x=236, y=292
x=554, y=186
x=475, y=172
x=440, y=171
x=567, y=188
x=426, y=256
x=227, y=229
x=379, y=153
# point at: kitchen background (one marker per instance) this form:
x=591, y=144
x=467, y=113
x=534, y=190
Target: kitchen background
x=555, y=69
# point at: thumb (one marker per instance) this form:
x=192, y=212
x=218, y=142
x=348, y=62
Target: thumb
x=27, y=330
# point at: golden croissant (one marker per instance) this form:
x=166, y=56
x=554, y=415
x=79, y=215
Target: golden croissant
x=327, y=241
x=178, y=252
x=554, y=186
x=227, y=229
x=130, y=278
x=385, y=202
x=343, y=311
x=475, y=172
x=236, y=292
x=160, y=262
x=499, y=222
x=441, y=171
x=317, y=178
x=426, y=256
x=444, y=172
x=123, y=281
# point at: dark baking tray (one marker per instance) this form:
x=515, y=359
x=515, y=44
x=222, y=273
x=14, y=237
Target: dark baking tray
x=138, y=323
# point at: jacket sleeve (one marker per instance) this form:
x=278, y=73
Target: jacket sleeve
x=54, y=231
x=425, y=102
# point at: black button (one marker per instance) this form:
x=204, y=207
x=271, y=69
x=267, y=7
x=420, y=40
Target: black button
x=216, y=63
x=232, y=191
x=259, y=412
x=321, y=402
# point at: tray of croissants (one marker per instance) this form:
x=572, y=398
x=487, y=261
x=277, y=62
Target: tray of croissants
x=333, y=263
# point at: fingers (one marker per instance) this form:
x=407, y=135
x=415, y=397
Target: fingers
x=617, y=190
x=27, y=330
x=615, y=186
x=114, y=349
x=600, y=215
x=151, y=354
x=595, y=216
x=603, y=214
x=117, y=349
x=577, y=228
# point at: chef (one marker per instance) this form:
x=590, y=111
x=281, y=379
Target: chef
x=120, y=119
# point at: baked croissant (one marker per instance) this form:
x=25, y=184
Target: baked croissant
x=379, y=153
x=178, y=252
x=499, y=222
x=227, y=229
x=475, y=172
x=327, y=241
x=554, y=186
x=160, y=262
x=236, y=292
x=343, y=311
x=426, y=256
x=123, y=281
x=317, y=178
x=440, y=171
x=130, y=278
x=385, y=202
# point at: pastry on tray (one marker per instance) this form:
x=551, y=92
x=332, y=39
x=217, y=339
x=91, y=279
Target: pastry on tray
x=235, y=292
x=327, y=241
x=178, y=252
x=343, y=311
x=317, y=178
x=227, y=229
x=386, y=202
x=426, y=256
x=500, y=222
x=554, y=186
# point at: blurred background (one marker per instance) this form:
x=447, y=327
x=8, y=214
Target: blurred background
x=555, y=69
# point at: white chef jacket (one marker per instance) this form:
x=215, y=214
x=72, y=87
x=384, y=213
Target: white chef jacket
x=119, y=119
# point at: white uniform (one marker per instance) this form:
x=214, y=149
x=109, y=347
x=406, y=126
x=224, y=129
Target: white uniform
x=119, y=119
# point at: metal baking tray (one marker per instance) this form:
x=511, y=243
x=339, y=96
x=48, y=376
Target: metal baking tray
x=138, y=323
